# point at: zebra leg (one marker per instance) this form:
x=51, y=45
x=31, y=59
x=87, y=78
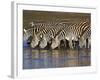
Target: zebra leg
x=81, y=43
x=89, y=43
x=65, y=44
x=74, y=44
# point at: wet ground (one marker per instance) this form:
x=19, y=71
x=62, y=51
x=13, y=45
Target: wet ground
x=34, y=59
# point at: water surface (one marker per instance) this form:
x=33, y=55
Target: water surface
x=34, y=59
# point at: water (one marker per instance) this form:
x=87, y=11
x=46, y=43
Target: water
x=35, y=59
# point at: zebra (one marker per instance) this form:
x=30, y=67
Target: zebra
x=27, y=33
x=37, y=36
x=71, y=32
x=33, y=27
x=62, y=35
x=49, y=34
x=85, y=40
x=45, y=35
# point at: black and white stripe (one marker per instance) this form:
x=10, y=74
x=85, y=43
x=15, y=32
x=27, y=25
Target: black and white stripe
x=85, y=40
x=70, y=32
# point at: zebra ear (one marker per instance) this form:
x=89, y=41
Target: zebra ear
x=31, y=23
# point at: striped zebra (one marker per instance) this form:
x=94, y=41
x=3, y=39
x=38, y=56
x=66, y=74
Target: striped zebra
x=49, y=34
x=71, y=32
x=63, y=34
x=36, y=27
x=85, y=40
x=45, y=35
x=40, y=25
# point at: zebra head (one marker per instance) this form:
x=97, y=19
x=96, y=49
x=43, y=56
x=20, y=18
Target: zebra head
x=43, y=43
x=38, y=37
x=27, y=34
x=31, y=23
x=55, y=42
x=34, y=42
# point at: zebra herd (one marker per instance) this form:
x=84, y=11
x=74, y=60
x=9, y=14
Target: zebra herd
x=70, y=33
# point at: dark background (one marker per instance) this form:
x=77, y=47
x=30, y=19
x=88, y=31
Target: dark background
x=44, y=16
